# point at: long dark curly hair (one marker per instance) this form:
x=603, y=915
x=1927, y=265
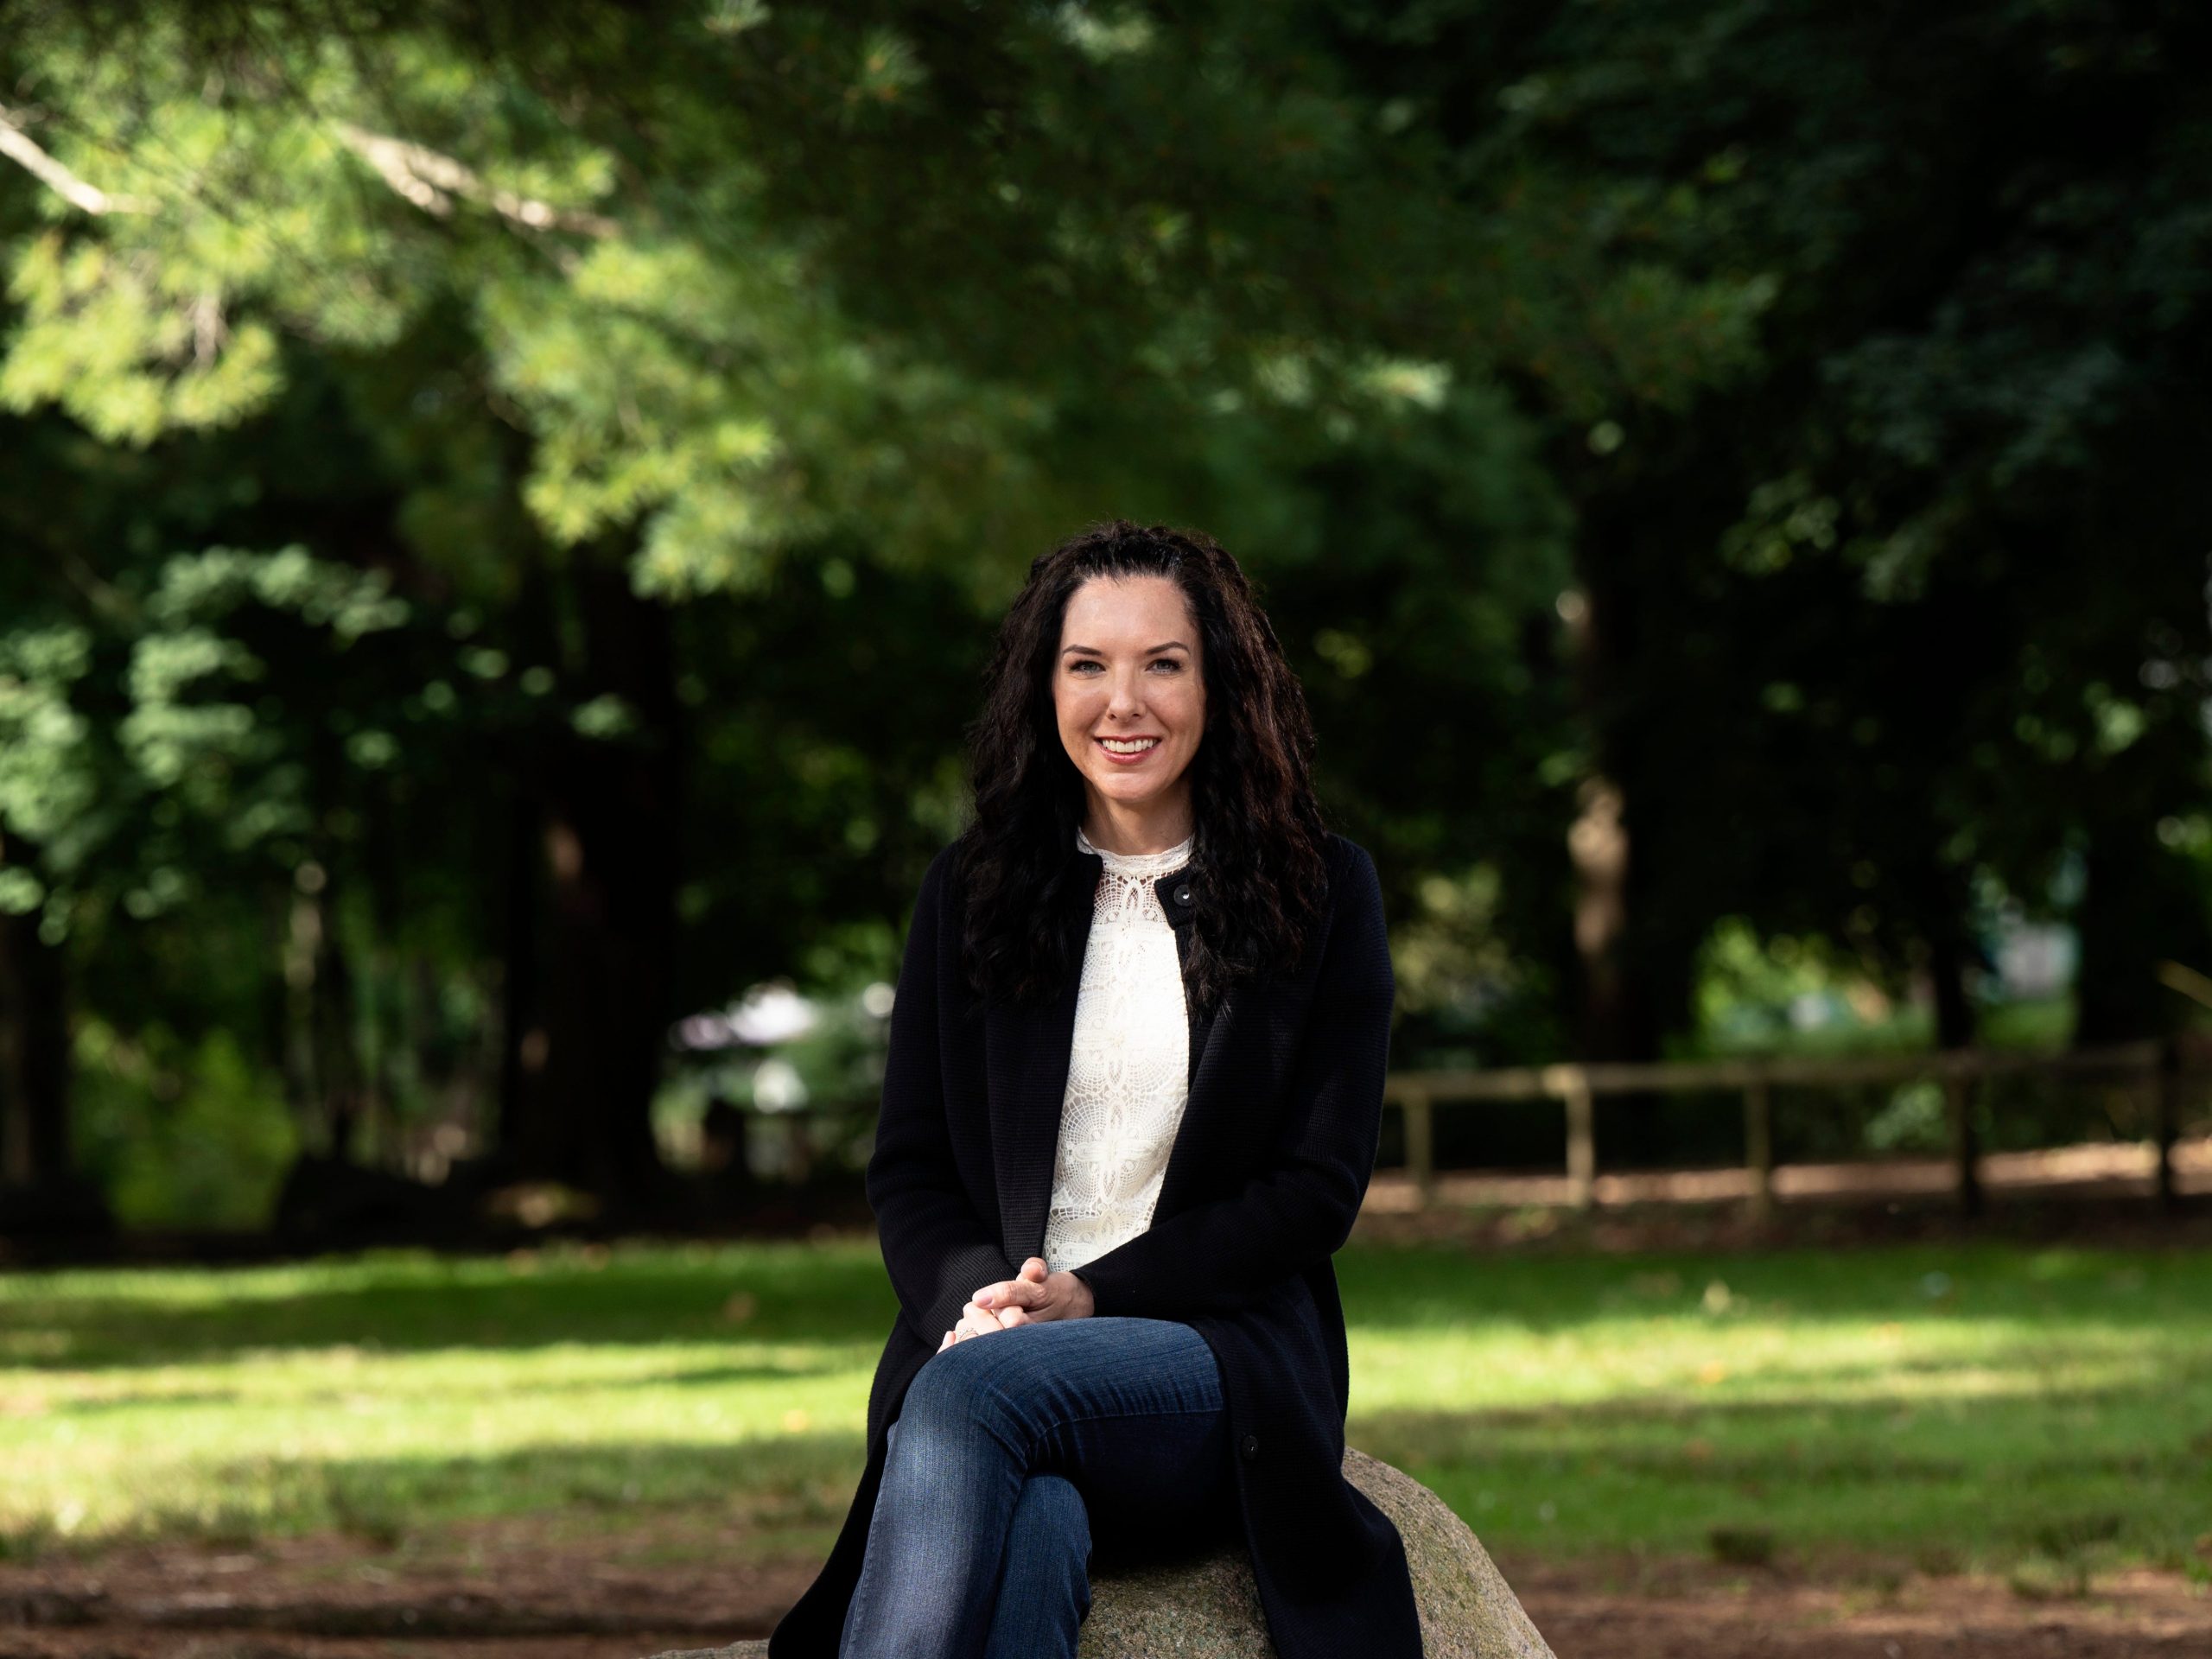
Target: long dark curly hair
x=1257, y=852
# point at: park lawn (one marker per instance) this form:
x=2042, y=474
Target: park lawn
x=1985, y=1408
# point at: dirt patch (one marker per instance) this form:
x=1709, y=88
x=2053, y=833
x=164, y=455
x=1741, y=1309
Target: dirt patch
x=1677, y=1610
x=125, y=1643
x=507, y=1590
x=2076, y=1196
x=518, y=1589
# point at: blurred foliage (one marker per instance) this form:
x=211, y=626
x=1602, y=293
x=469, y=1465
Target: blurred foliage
x=505, y=508
x=182, y=1136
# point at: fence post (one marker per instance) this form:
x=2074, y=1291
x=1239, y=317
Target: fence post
x=1421, y=1143
x=2167, y=1109
x=1966, y=1152
x=1581, y=1140
x=1758, y=1146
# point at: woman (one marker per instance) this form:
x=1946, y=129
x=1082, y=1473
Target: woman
x=1129, y=1111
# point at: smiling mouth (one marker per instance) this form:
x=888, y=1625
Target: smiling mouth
x=1128, y=747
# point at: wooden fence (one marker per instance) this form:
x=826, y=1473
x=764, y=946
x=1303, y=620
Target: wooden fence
x=2160, y=1068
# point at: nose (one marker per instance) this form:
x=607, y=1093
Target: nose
x=1126, y=702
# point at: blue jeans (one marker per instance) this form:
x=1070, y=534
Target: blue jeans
x=1013, y=1454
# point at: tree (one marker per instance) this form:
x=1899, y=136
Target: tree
x=1902, y=601
x=629, y=316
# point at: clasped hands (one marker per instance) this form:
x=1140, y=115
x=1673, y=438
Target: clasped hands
x=1032, y=1295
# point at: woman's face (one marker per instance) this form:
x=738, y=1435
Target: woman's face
x=1128, y=674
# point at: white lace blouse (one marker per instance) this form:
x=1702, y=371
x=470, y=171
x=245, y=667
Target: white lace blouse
x=1128, y=1069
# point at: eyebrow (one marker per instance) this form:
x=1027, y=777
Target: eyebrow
x=1153, y=651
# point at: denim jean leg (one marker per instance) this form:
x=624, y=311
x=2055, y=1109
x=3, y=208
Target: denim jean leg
x=873, y=1566
x=936, y=1540
x=1045, y=1586
x=1128, y=1412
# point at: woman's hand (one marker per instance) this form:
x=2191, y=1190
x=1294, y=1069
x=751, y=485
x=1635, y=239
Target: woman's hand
x=978, y=1320
x=1035, y=1294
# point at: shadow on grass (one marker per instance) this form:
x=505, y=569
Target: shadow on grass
x=1430, y=1287
x=788, y=1493
x=2010, y=1375
x=153, y=1398
x=1991, y=1482
x=837, y=1296
x=836, y=1293
x=1584, y=1479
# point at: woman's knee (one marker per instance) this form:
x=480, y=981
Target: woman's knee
x=963, y=1389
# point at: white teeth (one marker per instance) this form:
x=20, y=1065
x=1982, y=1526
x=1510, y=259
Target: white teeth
x=1115, y=745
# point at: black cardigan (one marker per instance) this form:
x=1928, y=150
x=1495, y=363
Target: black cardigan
x=1267, y=1173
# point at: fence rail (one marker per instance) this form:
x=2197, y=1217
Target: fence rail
x=2164, y=1068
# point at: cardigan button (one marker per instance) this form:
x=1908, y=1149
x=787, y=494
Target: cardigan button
x=1251, y=1448
x=1182, y=893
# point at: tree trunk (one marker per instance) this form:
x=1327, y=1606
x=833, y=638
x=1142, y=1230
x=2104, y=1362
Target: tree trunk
x=520, y=878
x=2131, y=918
x=338, y=1055
x=323, y=1064
x=610, y=847
x=34, y=1055
x=1597, y=847
x=1619, y=901
x=522, y=1027
x=1607, y=1022
x=1949, y=957
x=1944, y=923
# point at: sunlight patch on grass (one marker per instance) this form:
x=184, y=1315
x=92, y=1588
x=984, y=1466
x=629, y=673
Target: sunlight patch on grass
x=1899, y=1402
x=1978, y=1403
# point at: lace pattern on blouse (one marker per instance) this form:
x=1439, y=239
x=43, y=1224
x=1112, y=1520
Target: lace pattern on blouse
x=1128, y=1069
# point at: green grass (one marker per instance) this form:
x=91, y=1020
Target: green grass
x=1944, y=1407
x=1992, y=1407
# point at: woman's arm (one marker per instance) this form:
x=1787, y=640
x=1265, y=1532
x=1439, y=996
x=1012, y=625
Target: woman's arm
x=1223, y=1254
x=936, y=1249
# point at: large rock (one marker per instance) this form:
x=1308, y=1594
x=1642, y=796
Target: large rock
x=1209, y=1608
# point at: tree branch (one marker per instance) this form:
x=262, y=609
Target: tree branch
x=430, y=181
x=18, y=147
